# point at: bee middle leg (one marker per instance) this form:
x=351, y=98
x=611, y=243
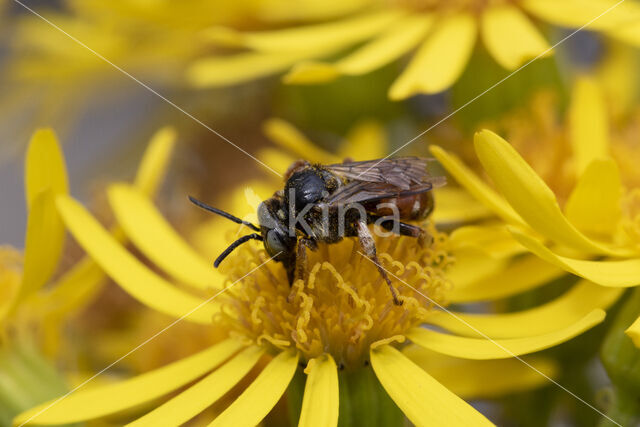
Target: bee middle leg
x=368, y=246
x=405, y=229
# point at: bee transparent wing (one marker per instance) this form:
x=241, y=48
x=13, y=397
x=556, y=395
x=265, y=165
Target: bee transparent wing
x=402, y=173
x=363, y=192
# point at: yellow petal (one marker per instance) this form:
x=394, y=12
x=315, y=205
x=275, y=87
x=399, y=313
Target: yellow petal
x=599, y=14
x=511, y=37
x=633, y=332
x=73, y=290
x=627, y=33
x=280, y=11
x=519, y=276
x=398, y=39
x=276, y=159
x=527, y=193
x=546, y=318
x=138, y=280
x=154, y=163
x=456, y=205
x=588, y=123
x=483, y=349
x=594, y=204
x=623, y=273
x=157, y=239
x=239, y=68
x=88, y=404
x=493, y=240
x=202, y=394
x=475, y=186
x=440, y=60
x=320, y=403
x=44, y=242
x=263, y=393
x=483, y=379
x=365, y=141
x=336, y=34
x=288, y=137
x=423, y=400
x=44, y=166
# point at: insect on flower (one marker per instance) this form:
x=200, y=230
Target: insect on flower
x=325, y=203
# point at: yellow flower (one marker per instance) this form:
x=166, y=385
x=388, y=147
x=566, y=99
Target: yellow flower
x=48, y=77
x=340, y=316
x=34, y=298
x=442, y=32
x=594, y=234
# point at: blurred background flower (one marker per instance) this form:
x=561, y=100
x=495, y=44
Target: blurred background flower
x=362, y=79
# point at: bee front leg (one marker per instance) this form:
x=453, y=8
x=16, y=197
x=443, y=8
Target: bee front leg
x=368, y=246
x=298, y=271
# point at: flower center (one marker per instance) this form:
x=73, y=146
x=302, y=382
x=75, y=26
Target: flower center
x=625, y=149
x=475, y=6
x=343, y=305
x=631, y=216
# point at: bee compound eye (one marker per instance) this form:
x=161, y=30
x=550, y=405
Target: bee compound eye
x=274, y=243
x=265, y=218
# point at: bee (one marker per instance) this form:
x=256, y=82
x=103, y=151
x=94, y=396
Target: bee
x=326, y=203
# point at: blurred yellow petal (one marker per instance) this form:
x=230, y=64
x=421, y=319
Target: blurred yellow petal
x=633, y=332
x=546, y=318
x=483, y=349
x=291, y=139
x=456, y=205
x=599, y=14
x=234, y=69
x=336, y=34
x=45, y=178
x=279, y=11
x=423, y=400
x=44, y=166
x=588, y=123
x=157, y=239
x=87, y=404
x=623, y=273
x=594, y=203
x=44, y=242
x=153, y=166
x=628, y=32
x=475, y=186
x=135, y=278
x=261, y=396
x=483, y=379
x=73, y=289
x=493, y=240
x=528, y=194
x=398, y=39
x=365, y=141
x=511, y=37
x=440, y=60
x=276, y=159
x=202, y=394
x=519, y=276
x=321, y=395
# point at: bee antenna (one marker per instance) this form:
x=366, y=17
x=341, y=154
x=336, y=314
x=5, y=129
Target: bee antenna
x=234, y=245
x=222, y=213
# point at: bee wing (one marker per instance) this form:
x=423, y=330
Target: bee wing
x=362, y=192
x=402, y=173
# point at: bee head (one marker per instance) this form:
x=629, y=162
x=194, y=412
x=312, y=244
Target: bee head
x=273, y=227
